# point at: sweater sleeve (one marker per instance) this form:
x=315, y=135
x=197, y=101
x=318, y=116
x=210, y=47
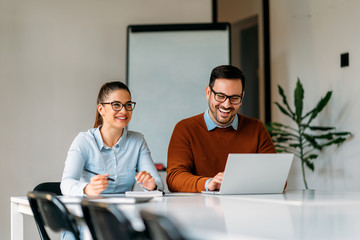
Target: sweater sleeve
x=180, y=165
x=266, y=144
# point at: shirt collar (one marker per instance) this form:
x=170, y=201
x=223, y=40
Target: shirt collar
x=211, y=125
x=100, y=141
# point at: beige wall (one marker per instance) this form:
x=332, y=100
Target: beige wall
x=54, y=56
x=234, y=12
x=307, y=38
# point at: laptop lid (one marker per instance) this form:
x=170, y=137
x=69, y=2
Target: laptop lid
x=256, y=173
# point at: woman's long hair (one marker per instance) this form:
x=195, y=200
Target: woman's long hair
x=104, y=92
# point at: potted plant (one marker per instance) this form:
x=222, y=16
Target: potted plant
x=302, y=138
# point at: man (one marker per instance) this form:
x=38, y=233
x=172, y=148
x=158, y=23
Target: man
x=199, y=145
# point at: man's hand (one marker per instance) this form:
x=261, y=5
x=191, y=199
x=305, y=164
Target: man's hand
x=215, y=183
x=97, y=185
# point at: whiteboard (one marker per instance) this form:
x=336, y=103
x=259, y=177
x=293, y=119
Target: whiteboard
x=168, y=69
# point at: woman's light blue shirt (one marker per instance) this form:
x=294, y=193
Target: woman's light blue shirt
x=88, y=151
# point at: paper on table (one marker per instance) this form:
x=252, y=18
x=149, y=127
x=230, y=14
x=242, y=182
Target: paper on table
x=110, y=199
x=70, y=199
x=144, y=194
x=119, y=200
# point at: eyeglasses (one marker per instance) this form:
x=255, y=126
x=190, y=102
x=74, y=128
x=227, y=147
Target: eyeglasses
x=220, y=97
x=117, y=106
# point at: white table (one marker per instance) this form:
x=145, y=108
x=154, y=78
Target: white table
x=292, y=215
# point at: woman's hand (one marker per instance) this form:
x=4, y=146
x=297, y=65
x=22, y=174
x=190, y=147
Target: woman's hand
x=145, y=180
x=97, y=185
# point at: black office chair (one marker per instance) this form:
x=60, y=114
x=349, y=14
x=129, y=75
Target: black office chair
x=160, y=227
x=107, y=222
x=53, y=187
x=49, y=211
x=87, y=218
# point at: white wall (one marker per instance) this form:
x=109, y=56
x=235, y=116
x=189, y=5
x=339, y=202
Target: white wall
x=234, y=11
x=54, y=56
x=307, y=38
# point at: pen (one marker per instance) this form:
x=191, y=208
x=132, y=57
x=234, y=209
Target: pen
x=87, y=170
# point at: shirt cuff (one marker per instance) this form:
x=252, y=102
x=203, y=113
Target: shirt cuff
x=207, y=183
x=83, y=189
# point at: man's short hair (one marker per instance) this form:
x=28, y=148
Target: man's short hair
x=227, y=72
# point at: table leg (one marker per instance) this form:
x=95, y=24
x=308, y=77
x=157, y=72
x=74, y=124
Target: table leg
x=17, y=222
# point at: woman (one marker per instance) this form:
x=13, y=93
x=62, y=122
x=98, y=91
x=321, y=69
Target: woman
x=109, y=151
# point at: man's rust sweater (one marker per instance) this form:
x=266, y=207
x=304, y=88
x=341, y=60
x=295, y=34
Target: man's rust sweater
x=196, y=154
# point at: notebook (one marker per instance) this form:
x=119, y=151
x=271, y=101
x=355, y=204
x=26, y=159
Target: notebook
x=155, y=193
x=119, y=200
x=109, y=198
x=257, y=173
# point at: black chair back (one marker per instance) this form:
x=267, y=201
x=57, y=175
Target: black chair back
x=160, y=227
x=53, y=187
x=87, y=218
x=107, y=222
x=49, y=211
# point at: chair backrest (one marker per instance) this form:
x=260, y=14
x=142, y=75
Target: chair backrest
x=49, y=211
x=87, y=218
x=107, y=222
x=160, y=227
x=53, y=187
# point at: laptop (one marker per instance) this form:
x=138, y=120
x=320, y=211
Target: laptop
x=257, y=173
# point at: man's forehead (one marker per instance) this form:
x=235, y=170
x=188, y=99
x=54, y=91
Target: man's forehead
x=223, y=82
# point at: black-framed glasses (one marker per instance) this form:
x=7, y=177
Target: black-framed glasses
x=117, y=106
x=221, y=97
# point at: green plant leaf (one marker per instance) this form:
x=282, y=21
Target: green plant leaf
x=289, y=137
x=324, y=136
x=303, y=140
x=331, y=135
x=275, y=124
x=284, y=146
x=337, y=141
x=280, y=128
x=283, y=110
x=307, y=114
x=317, y=128
x=282, y=132
x=279, y=146
x=310, y=165
x=298, y=100
x=312, y=156
x=312, y=141
x=282, y=139
x=320, y=106
x=342, y=133
x=282, y=94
